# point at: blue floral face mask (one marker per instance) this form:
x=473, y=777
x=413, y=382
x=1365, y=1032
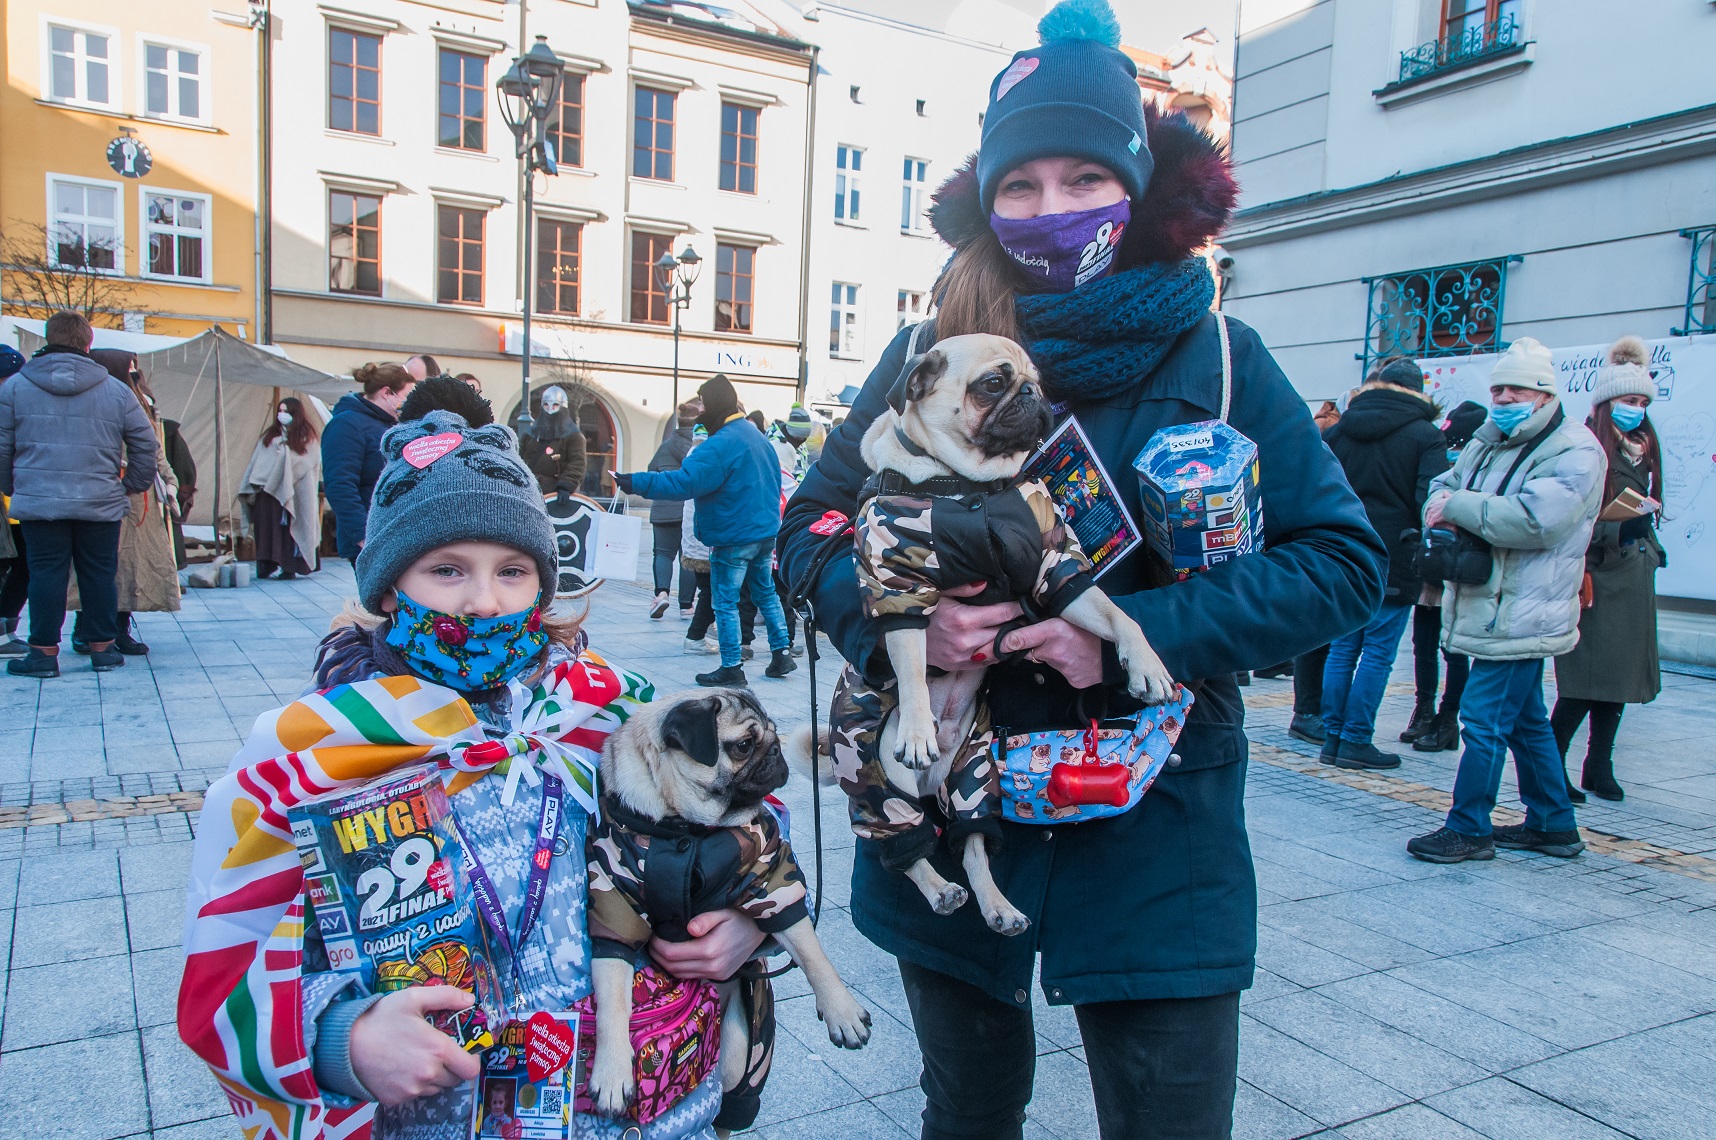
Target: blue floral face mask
x=466, y=653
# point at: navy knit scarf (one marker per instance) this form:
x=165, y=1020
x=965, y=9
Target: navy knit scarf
x=1106, y=336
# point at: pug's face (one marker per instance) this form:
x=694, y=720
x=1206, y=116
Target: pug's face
x=974, y=402
x=716, y=756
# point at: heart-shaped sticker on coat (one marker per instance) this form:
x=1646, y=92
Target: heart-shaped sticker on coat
x=549, y=1044
x=420, y=453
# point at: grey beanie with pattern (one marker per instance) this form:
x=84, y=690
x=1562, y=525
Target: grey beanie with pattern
x=446, y=481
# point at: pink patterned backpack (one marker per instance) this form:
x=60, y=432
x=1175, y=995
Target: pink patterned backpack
x=676, y=1040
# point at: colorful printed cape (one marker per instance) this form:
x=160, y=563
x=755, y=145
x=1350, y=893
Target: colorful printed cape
x=239, y=1001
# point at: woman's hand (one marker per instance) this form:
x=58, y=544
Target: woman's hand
x=399, y=1056
x=1064, y=647
x=1433, y=511
x=721, y=942
x=963, y=637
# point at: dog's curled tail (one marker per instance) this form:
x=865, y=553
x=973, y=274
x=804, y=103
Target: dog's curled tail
x=812, y=758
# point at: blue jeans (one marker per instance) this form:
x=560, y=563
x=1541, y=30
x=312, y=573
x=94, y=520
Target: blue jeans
x=1356, y=674
x=1502, y=708
x=731, y=568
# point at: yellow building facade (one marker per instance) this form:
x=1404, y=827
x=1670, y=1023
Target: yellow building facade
x=129, y=133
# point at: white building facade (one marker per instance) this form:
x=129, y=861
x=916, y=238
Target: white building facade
x=396, y=219
x=1438, y=178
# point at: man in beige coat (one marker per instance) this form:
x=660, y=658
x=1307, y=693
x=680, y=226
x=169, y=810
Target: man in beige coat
x=1529, y=485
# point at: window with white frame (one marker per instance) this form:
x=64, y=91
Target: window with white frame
x=84, y=225
x=914, y=196
x=176, y=235
x=911, y=308
x=81, y=66
x=848, y=169
x=845, y=323
x=172, y=82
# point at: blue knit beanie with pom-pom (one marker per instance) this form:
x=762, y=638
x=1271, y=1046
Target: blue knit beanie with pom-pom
x=1076, y=95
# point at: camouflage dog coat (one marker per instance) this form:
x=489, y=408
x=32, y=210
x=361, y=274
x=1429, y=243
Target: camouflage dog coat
x=915, y=541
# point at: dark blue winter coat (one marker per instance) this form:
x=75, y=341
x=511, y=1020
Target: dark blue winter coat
x=1159, y=902
x=735, y=476
x=351, y=463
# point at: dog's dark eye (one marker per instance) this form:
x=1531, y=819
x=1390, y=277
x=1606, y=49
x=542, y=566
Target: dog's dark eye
x=992, y=384
x=740, y=749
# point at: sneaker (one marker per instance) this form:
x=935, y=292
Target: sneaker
x=704, y=646
x=686, y=612
x=1367, y=756
x=746, y=653
x=796, y=649
x=1308, y=728
x=34, y=663
x=106, y=659
x=12, y=647
x=728, y=676
x=781, y=665
x=1518, y=837
x=659, y=607
x=1445, y=846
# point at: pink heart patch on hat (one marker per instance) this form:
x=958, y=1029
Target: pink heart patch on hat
x=421, y=452
x=1014, y=74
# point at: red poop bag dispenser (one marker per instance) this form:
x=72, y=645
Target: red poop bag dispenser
x=1090, y=781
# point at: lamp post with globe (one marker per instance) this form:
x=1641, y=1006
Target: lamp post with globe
x=529, y=93
x=675, y=276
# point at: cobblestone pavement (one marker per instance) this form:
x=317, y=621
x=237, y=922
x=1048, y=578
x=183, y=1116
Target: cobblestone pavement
x=1520, y=999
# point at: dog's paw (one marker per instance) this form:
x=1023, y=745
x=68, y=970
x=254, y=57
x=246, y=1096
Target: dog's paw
x=611, y=1084
x=917, y=747
x=848, y=1022
x=1147, y=678
x=950, y=898
x=1006, y=919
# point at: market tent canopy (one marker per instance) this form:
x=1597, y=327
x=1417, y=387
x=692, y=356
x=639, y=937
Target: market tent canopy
x=223, y=391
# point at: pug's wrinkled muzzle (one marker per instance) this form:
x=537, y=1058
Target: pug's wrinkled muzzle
x=1017, y=425
x=758, y=778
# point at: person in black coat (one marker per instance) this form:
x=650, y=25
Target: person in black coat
x=1146, y=921
x=554, y=448
x=351, y=449
x=1390, y=446
x=667, y=516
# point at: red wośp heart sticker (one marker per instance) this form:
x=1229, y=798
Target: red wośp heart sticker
x=831, y=522
x=420, y=453
x=440, y=877
x=548, y=1045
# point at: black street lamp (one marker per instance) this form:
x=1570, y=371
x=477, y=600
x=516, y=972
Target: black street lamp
x=529, y=94
x=675, y=276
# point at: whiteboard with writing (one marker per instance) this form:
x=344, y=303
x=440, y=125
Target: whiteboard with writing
x=1684, y=412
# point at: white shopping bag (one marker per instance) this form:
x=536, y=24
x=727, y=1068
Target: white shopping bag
x=614, y=543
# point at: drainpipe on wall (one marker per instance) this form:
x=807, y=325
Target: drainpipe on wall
x=804, y=248
x=262, y=19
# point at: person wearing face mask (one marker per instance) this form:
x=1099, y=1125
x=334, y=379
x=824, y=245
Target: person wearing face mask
x=351, y=448
x=1075, y=232
x=1529, y=485
x=1615, y=663
x=279, y=493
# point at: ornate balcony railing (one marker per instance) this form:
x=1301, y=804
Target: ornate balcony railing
x=1700, y=283
x=1450, y=310
x=1469, y=46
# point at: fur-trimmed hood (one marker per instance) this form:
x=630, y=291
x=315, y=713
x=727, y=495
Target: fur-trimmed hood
x=1190, y=197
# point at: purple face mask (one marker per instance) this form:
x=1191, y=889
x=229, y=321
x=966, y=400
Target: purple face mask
x=1060, y=252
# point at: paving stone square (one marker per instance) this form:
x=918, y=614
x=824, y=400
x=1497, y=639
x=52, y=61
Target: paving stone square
x=1522, y=999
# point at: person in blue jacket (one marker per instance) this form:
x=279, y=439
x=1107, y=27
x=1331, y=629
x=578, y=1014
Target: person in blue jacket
x=351, y=448
x=735, y=476
x=1075, y=233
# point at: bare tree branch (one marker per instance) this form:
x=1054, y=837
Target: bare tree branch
x=46, y=272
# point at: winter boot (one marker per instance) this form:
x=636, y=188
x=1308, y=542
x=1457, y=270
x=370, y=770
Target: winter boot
x=127, y=644
x=1443, y=736
x=1366, y=756
x=1598, y=778
x=1423, y=719
x=781, y=665
x=1307, y=727
x=728, y=676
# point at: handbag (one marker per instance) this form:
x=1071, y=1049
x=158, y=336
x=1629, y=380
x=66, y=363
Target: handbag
x=1454, y=554
x=676, y=1040
x=1076, y=774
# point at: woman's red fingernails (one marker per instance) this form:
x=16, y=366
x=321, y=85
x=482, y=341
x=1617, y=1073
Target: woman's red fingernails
x=978, y=656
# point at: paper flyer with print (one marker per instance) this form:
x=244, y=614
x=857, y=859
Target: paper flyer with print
x=1082, y=489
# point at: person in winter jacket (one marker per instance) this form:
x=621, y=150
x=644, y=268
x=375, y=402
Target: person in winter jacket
x=279, y=490
x=74, y=446
x=735, y=477
x=351, y=449
x=1529, y=485
x=1615, y=662
x=1390, y=447
x=1146, y=922
x=665, y=515
x=554, y=448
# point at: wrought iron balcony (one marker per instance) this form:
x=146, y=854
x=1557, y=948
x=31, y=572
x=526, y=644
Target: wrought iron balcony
x=1470, y=46
x=1700, y=284
x=1450, y=310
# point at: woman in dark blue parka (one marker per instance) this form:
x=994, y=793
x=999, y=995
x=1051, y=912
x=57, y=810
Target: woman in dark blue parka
x=1146, y=922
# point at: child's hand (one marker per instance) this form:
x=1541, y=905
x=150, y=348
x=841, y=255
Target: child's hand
x=399, y=1056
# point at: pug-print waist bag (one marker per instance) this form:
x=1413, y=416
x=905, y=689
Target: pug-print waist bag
x=1072, y=775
